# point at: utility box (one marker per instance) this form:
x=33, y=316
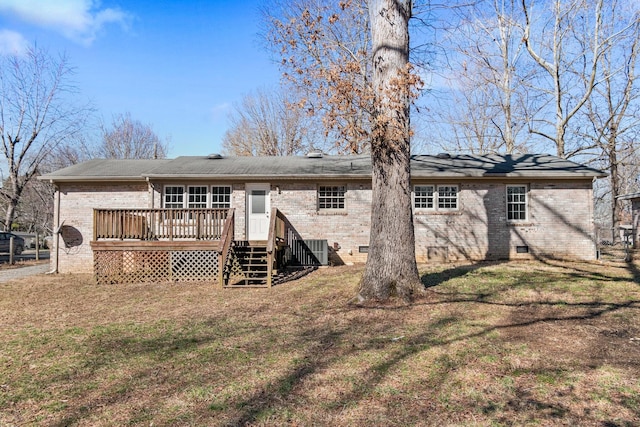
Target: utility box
x=319, y=248
x=627, y=235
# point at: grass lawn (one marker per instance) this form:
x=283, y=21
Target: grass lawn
x=488, y=344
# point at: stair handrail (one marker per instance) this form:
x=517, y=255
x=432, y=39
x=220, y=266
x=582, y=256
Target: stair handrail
x=224, y=246
x=271, y=243
x=282, y=232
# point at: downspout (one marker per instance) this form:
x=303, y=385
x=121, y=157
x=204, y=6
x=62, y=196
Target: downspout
x=56, y=229
x=153, y=192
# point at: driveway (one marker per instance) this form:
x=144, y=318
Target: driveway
x=20, y=272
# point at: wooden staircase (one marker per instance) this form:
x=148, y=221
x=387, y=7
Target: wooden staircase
x=251, y=267
x=262, y=264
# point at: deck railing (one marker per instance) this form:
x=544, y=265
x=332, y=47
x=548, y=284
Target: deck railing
x=283, y=234
x=152, y=224
x=224, y=247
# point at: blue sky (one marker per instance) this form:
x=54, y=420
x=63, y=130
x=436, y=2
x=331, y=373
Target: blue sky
x=179, y=66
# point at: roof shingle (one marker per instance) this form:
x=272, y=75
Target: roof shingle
x=327, y=167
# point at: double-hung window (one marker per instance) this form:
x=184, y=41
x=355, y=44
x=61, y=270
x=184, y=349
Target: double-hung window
x=331, y=197
x=220, y=197
x=173, y=197
x=437, y=198
x=516, y=202
x=423, y=196
x=197, y=197
x=447, y=197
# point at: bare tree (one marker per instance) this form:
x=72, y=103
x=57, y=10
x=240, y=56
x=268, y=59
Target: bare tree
x=128, y=138
x=34, y=213
x=613, y=111
x=568, y=49
x=71, y=151
x=325, y=52
x=391, y=264
x=483, y=108
x=267, y=124
x=36, y=115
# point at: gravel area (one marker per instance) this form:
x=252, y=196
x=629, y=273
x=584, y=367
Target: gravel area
x=19, y=273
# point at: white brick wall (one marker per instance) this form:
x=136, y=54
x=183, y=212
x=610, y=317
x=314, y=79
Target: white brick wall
x=559, y=224
x=77, y=202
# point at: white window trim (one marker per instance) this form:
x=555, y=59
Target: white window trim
x=436, y=198
x=210, y=195
x=457, y=198
x=433, y=197
x=344, y=198
x=526, y=202
x=164, y=195
x=206, y=195
x=185, y=194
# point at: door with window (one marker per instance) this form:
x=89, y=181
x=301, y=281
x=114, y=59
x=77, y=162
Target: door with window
x=258, y=211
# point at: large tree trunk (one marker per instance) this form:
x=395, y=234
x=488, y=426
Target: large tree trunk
x=391, y=266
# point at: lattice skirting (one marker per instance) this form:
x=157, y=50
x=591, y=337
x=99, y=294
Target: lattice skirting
x=131, y=266
x=235, y=268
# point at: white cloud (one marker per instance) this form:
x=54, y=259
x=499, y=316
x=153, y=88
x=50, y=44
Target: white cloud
x=12, y=43
x=78, y=20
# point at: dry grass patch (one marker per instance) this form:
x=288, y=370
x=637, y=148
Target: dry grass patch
x=502, y=344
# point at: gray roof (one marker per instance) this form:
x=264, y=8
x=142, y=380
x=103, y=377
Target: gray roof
x=495, y=165
x=327, y=167
x=106, y=170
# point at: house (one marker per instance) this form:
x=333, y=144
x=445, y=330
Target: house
x=223, y=218
x=631, y=232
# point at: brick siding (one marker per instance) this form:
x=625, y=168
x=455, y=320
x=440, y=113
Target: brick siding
x=77, y=202
x=559, y=223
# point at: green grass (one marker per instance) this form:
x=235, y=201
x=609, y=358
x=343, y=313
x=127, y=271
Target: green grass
x=496, y=345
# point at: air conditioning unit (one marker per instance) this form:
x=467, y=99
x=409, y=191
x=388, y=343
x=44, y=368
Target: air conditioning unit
x=320, y=249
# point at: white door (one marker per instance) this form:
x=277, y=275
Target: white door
x=258, y=211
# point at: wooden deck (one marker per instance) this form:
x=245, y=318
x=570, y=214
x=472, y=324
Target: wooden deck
x=157, y=224
x=193, y=245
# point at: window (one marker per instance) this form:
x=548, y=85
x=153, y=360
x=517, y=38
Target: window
x=197, y=197
x=220, y=197
x=442, y=197
x=516, y=202
x=173, y=196
x=331, y=197
x=447, y=197
x=423, y=197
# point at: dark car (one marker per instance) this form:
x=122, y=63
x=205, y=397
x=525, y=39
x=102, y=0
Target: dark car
x=5, y=241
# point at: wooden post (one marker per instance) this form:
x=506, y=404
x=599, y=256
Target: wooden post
x=122, y=225
x=11, y=248
x=171, y=224
x=95, y=224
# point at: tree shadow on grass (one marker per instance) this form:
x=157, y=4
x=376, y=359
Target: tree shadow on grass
x=322, y=345
x=316, y=359
x=634, y=270
x=437, y=278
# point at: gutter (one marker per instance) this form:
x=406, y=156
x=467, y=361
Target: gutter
x=81, y=178
x=256, y=177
